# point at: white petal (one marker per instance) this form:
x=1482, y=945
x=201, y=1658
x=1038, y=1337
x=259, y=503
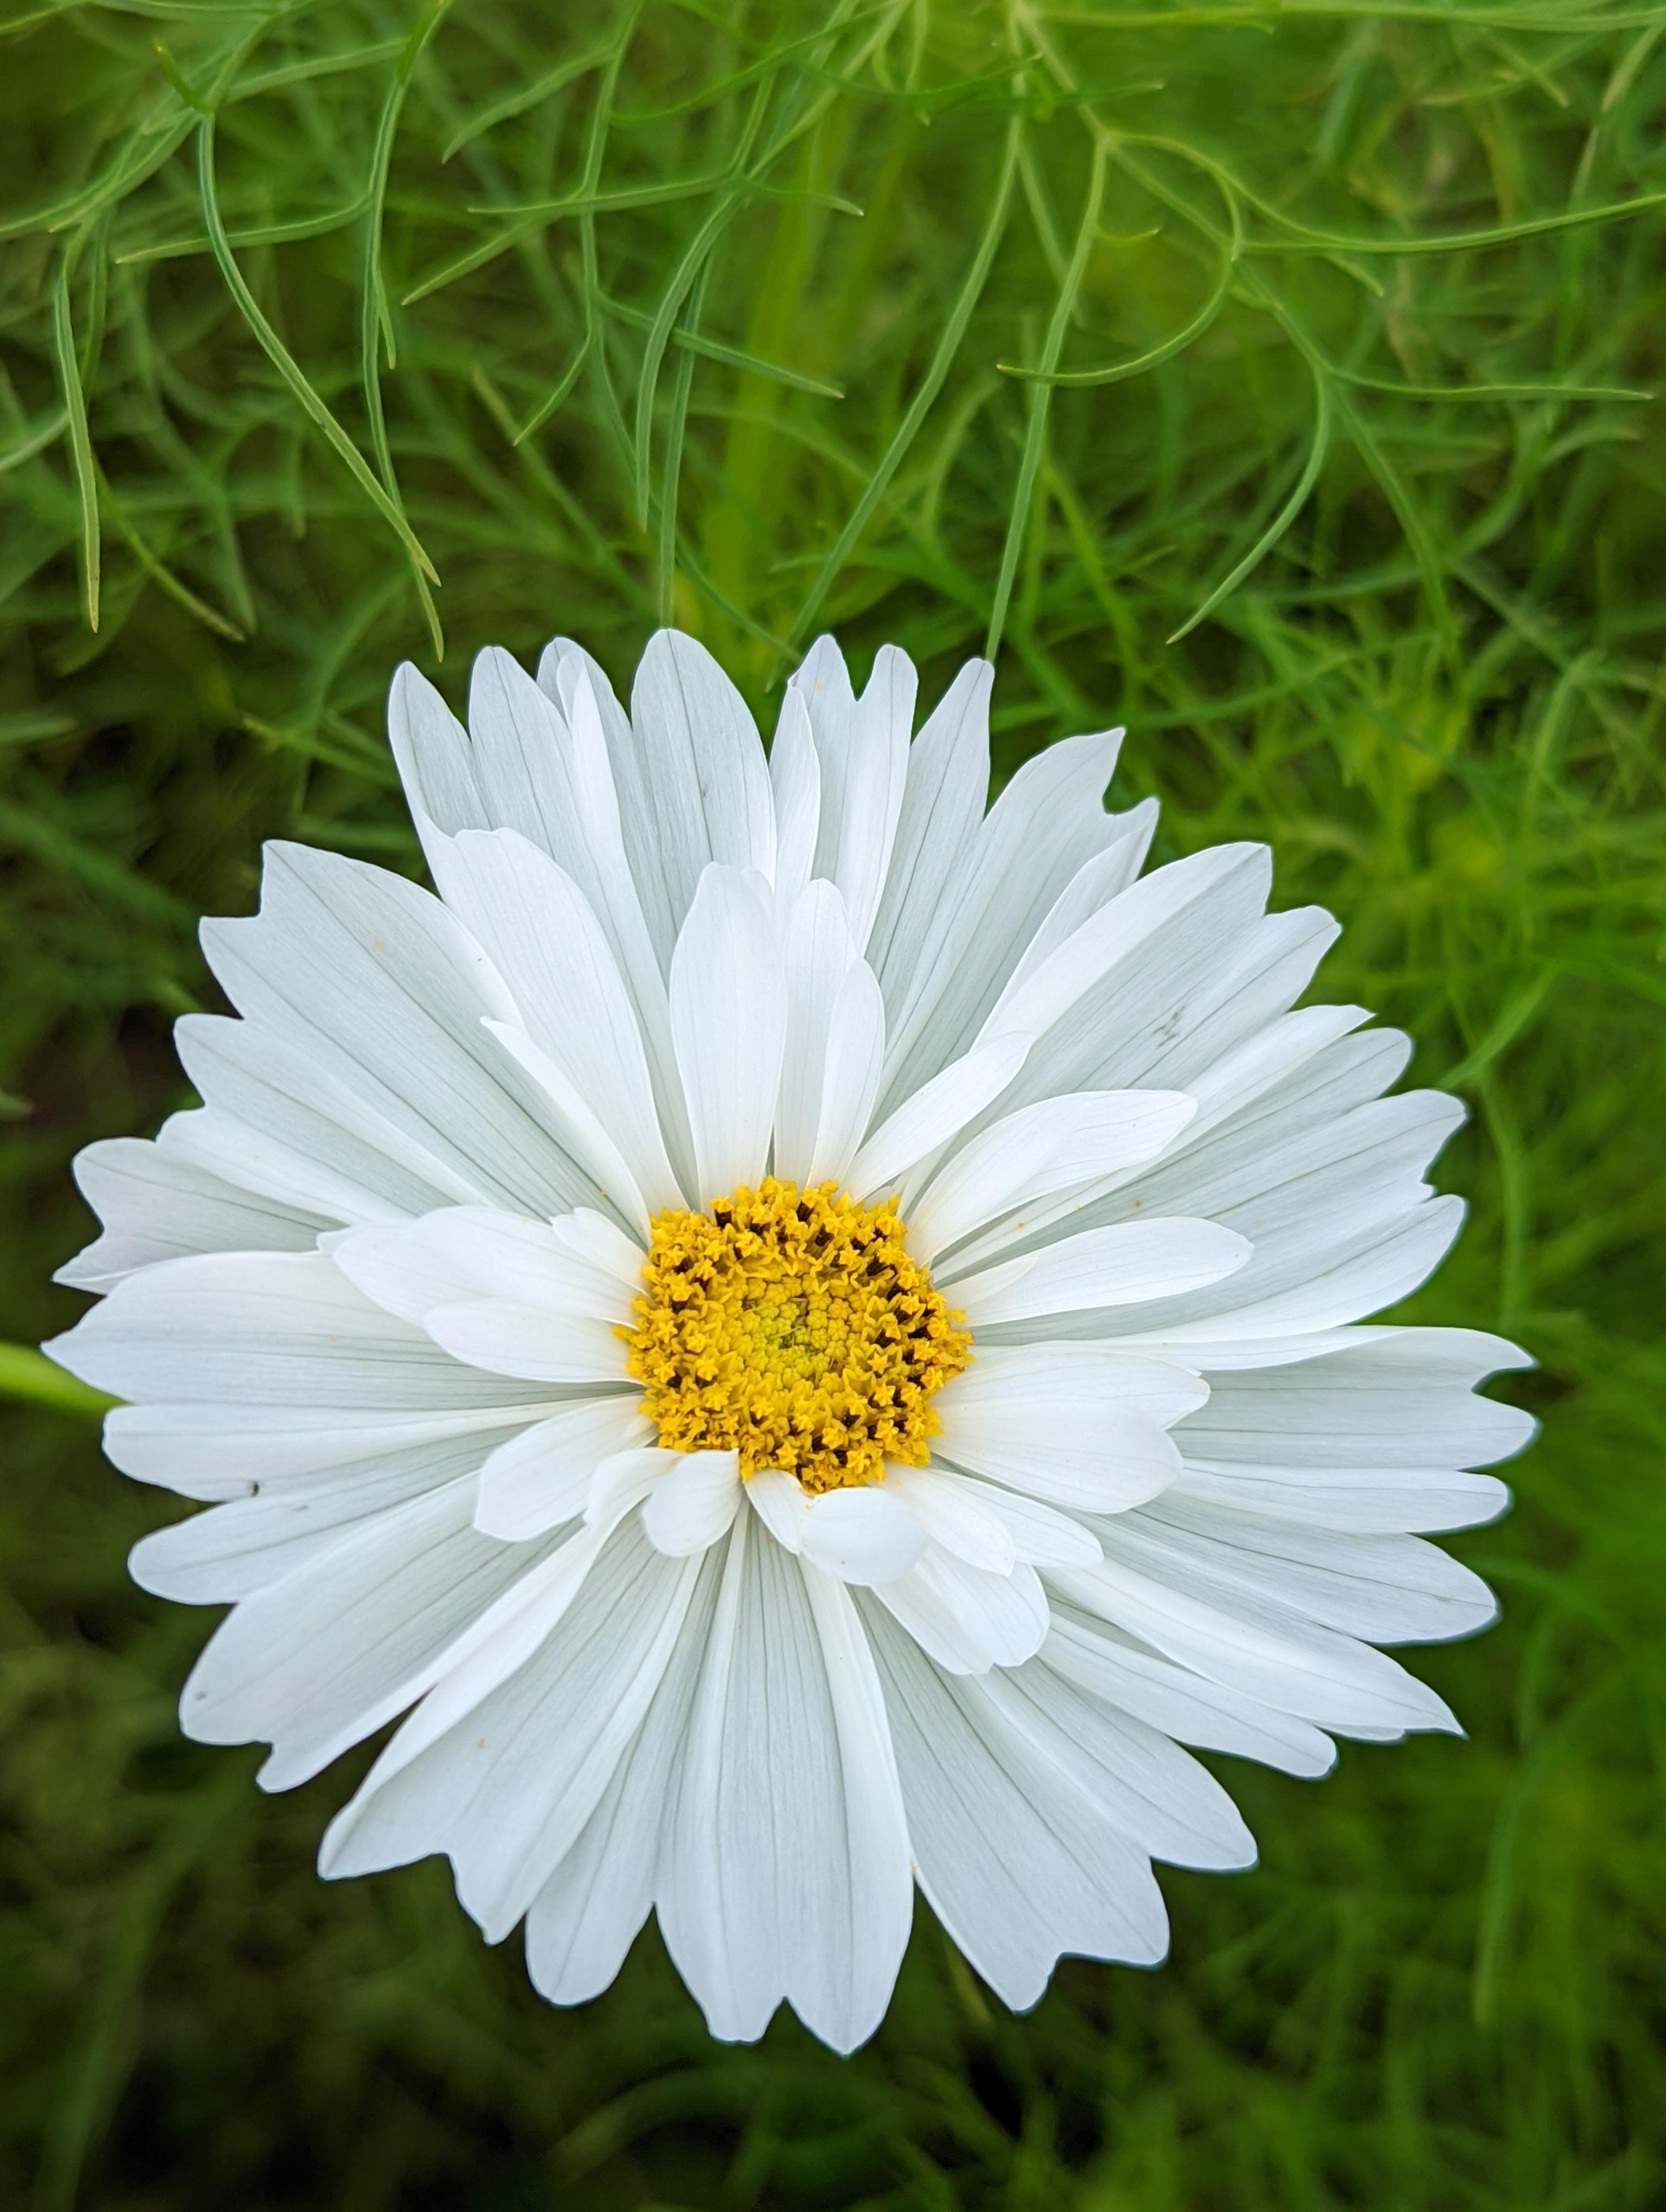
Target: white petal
x=221, y=1451
x=1210, y=1715
x=275, y=1125
x=862, y=745
x=1266, y=1073
x=795, y=780
x=379, y=994
x=542, y=765
x=397, y=1273
x=1321, y=1139
x=818, y=954
x=1265, y=1652
x=1269, y=1127
x=1385, y=1589
x=867, y=1534
x=156, y=1204
x=1141, y=1783
x=541, y=1478
x=1055, y=1144
x=583, y=1921
x=1329, y=1190
x=509, y=1256
x=952, y=1514
x=318, y=1485
x=526, y=768
x=843, y=1990
x=1039, y=1533
x=835, y=1035
x=1254, y=989
x=936, y=1111
x=1316, y=1074
x=1366, y=1501
x=780, y=1502
x=693, y=1505
x=1205, y=1353
x=1371, y=1437
x=520, y=757
x=568, y=674
x=1105, y=1376
x=1100, y=879
x=506, y=1338
x=435, y=758
x=1019, y=1865
x=454, y=1255
x=505, y=1782
x=260, y=1329
x=591, y=1237
x=1065, y=1424
x=787, y=1874
x=492, y=1649
x=968, y=1619
x=1175, y=969
x=1127, y=1264
x=945, y=1629
x=1146, y=912
x=576, y=1123
x=637, y=914
x=728, y=1015
x=544, y=940
x=625, y=1480
x=823, y=682
x=226, y=1148
x=704, y=774
x=850, y=1080
x=1049, y=820
x=1271, y=1056
x=1341, y=1280
x=321, y=1658
x=942, y=802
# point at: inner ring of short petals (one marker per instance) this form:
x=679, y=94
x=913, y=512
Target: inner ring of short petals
x=792, y=1326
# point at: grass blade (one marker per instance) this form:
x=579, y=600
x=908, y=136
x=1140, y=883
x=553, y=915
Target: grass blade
x=164, y=578
x=683, y=276
x=954, y=330
x=287, y=367
x=28, y=1377
x=666, y=566
x=376, y=317
x=751, y=364
x=1080, y=378
x=81, y=444
x=1281, y=521
x=1041, y=398
x=517, y=102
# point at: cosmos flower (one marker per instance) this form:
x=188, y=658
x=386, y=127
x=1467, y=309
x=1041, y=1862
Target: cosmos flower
x=808, y=1336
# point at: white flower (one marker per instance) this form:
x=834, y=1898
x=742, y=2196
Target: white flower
x=810, y=1332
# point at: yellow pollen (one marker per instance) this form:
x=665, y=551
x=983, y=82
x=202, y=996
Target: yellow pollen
x=791, y=1327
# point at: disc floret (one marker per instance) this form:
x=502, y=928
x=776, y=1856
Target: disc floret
x=792, y=1326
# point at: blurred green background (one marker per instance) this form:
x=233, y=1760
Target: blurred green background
x=1277, y=380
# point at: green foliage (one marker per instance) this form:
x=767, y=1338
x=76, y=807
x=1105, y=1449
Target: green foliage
x=1274, y=378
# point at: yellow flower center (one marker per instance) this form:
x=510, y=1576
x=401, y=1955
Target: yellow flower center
x=791, y=1327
